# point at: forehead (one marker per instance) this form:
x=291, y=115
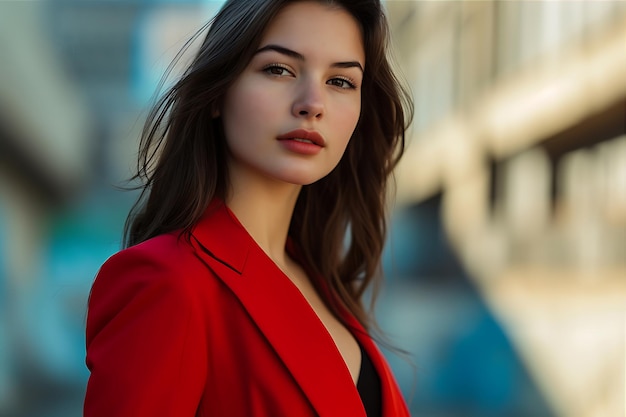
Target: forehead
x=315, y=30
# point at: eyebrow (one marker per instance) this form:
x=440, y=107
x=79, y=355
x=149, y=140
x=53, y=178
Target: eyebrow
x=300, y=57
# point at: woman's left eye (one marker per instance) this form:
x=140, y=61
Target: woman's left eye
x=277, y=70
x=341, y=83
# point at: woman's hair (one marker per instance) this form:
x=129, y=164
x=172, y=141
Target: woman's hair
x=339, y=222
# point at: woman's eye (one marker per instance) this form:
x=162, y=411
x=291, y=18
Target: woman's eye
x=341, y=83
x=277, y=70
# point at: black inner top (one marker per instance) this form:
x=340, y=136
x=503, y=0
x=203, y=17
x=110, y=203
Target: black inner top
x=368, y=386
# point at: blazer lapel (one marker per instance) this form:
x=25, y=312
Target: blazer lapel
x=393, y=404
x=280, y=312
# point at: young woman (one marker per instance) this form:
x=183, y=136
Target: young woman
x=261, y=225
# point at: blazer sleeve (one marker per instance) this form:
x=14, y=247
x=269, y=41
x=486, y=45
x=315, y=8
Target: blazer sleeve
x=146, y=343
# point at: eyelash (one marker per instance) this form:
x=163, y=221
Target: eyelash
x=351, y=83
x=268, y=68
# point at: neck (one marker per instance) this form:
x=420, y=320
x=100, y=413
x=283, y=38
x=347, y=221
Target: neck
x=265, y=210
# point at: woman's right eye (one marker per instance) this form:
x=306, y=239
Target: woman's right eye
x=276, y=69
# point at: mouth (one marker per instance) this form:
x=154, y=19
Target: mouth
x=304, y=136
x=303, y=140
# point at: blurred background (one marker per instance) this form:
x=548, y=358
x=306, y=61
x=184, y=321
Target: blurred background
x=506, y=260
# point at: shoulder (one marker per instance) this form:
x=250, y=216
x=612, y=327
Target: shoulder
x=162, y=258
x=162, y=249
x=147, y=306
x=162, y=271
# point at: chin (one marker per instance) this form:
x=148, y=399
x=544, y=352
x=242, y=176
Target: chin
x=301, y=178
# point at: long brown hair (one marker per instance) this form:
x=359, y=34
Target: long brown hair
x=339, y=222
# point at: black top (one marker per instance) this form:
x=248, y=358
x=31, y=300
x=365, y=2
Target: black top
x=368, y=386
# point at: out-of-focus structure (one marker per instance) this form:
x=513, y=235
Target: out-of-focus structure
x=45, y=161
x=520, y=130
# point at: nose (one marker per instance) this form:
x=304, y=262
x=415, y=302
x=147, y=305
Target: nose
x=309, y=101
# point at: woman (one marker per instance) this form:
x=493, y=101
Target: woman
x=238, y=294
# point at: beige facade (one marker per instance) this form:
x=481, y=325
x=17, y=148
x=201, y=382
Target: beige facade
x=520, y=125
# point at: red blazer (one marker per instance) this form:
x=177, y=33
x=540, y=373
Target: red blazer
x=214, y=328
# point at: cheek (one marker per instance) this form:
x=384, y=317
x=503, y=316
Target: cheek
x=350, y=122
x=246, y=111
x=349, y=126
x=351, y=112
x=346, y=129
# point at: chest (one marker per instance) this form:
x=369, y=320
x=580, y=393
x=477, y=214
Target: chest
x=344, y=341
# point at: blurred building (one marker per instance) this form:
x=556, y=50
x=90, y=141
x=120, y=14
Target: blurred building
x=520, y=135
x=46, y=149
x=76, y=77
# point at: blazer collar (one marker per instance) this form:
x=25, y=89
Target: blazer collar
x=223, y=237
x=298, y=337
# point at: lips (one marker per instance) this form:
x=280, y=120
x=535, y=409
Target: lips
x=304, y=136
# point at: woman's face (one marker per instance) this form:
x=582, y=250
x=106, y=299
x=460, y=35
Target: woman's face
x=290, y=114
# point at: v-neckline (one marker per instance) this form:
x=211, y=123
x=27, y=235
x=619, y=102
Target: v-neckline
x=299, y=338
x=293, y=253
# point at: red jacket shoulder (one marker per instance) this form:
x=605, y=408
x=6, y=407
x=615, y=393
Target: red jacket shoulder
x=164, y=250
x=146, y=346
x=163, y=269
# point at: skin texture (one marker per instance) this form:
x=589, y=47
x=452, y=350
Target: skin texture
x=278, y=93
